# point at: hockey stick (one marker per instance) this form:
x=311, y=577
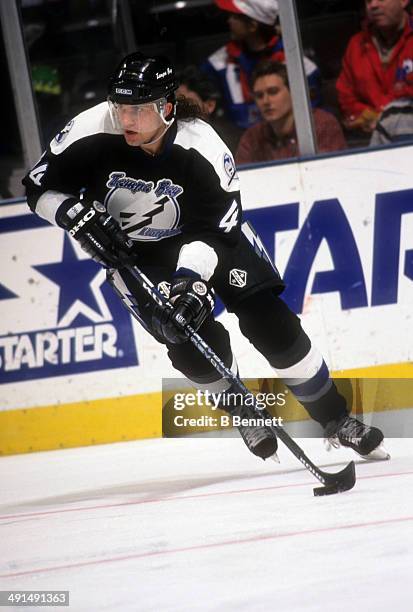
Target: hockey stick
x=332, y=483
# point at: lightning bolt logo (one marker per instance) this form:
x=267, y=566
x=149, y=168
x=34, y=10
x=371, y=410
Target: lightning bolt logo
x=258, y=246
x=146, y=217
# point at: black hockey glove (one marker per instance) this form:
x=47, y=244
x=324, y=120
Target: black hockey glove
x=193, y=301
x=98, y=233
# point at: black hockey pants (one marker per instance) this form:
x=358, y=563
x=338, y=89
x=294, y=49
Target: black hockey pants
x=276, y=332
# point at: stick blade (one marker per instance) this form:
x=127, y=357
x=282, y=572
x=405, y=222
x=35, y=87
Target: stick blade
x=337, y=483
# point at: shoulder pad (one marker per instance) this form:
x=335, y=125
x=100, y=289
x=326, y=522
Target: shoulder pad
x=95, y=120
x=201, y=137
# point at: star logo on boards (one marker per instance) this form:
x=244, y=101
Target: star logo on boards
x=76, y=322
x=78, y=286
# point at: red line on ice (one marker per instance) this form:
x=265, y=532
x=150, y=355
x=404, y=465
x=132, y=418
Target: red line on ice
x=159, y=500
x=206, y=546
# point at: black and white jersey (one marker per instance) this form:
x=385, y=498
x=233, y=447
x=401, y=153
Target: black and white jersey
x=186, y=195
x=190, y=190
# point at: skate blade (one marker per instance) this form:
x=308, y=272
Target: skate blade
x=275, y=458
x=378, y=454
x=330, y=444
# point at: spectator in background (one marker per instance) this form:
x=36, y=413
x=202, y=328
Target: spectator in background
x=254, y=39
x=199, y=89
x=395, y=123
x=275, y=137
x=377, y=65
x=195, y=86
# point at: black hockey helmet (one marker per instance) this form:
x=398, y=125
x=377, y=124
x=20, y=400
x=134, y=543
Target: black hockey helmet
x=139, y=79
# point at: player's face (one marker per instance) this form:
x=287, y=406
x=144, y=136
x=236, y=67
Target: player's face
x=140, y=122
x=272, y=97
x=386, y=13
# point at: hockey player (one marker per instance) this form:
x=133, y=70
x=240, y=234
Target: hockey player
x=142, y=174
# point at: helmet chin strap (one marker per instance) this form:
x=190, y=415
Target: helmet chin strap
x=167, y=126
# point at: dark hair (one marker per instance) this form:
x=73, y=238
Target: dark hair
x=188, y=110
x=266, y=31
x=198, y=82
x=268, y=67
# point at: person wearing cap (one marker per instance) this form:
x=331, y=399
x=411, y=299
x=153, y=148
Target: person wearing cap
x=254, y=38
x=274, y=137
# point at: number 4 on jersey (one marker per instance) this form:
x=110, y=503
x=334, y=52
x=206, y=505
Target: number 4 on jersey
x=230, y=219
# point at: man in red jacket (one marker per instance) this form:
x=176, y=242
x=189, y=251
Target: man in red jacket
x=377, y=65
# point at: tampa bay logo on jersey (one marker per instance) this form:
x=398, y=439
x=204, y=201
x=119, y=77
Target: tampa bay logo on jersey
x=67, y=319
x=145, y=211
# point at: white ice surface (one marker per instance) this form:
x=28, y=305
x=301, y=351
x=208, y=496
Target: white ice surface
x=200, y=524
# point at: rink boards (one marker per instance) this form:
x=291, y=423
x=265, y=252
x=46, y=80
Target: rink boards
x=75, y=369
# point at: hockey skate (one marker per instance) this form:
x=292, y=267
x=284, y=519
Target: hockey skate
x=349, y=432
x=259, y=439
